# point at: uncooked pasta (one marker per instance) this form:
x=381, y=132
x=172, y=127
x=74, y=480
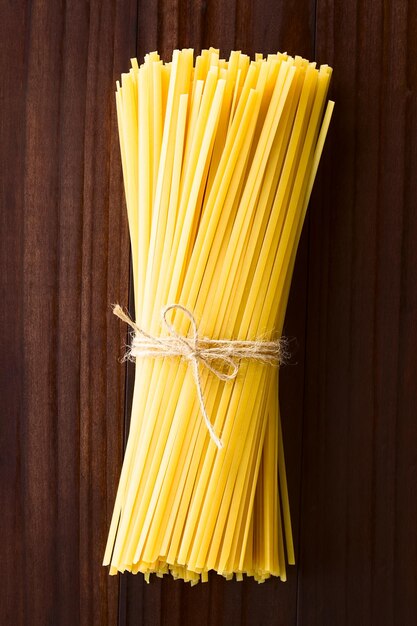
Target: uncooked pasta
x=219, y=159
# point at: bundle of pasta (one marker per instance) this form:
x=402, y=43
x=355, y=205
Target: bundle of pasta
x=219, y=160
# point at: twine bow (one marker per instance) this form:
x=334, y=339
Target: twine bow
x=220, y=356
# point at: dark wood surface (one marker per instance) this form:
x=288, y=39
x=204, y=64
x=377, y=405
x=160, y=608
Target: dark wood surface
x=349, y=396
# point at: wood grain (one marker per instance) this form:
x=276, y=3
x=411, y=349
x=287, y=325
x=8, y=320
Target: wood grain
x=12, y=373
x=64, y=260
x=349, y=395
x=358, y=401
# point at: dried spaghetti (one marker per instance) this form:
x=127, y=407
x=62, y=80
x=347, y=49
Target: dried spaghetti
x=219, y=159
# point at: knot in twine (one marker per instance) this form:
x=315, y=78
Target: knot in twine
x=220, y=356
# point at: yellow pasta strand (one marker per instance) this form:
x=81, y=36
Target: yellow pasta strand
x=219, y=159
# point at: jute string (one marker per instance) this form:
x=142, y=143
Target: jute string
x=220, y=356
